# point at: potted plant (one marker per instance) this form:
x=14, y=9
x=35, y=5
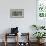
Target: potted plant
x=38, y=27
x=39, y=35
x=34, y=26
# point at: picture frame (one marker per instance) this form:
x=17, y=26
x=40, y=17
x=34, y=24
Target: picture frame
x=17, y=13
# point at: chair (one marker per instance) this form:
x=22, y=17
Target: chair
x=14, y=32
x=7, y=35
x=26, y=41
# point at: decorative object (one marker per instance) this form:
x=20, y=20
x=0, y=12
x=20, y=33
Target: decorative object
x=34, y=26
x=39, y=35
x=14, y=30
x=16, y=13
x=38, y=27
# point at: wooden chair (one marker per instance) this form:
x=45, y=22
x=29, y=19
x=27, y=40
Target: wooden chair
x=8, y=34
x=25, y=36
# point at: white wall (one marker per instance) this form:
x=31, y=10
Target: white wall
x=24, y=24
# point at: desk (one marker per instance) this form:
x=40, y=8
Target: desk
x=8, y=34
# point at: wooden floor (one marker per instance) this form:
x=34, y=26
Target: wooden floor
x=13, y=44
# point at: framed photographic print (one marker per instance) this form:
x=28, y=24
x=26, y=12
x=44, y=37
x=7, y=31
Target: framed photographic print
x=17, y=13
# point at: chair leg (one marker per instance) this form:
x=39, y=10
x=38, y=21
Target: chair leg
x=5, y=43
x=5, y=40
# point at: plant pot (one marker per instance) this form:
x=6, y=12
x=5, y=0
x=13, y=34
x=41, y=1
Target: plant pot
x=40, y=41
